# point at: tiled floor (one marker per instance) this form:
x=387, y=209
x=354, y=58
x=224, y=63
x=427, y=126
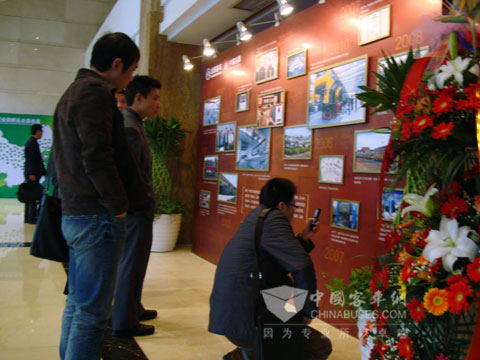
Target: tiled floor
x=178, y=285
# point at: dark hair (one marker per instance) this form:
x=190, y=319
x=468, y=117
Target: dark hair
x=277, y=190
x=141, y=84
x=34, y=128
x=114, y=46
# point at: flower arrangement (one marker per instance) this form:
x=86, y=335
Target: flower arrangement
x=431, y=273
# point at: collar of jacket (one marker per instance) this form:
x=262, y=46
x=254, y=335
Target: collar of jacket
x=132, y=114
x=87, y=73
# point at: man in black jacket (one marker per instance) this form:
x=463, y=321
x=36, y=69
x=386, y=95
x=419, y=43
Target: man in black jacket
x=99, y=181
x=142, y=96
x=282, y=257
x=34, y=168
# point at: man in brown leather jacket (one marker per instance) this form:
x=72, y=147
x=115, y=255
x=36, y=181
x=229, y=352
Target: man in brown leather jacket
x=99, y=181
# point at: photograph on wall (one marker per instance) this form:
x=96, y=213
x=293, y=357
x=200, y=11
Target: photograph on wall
x=417, y=53
x=211, y=111
x=242, y=101
x=227, y=188
x=225, y=140
x=297, y=64
x=266, y=66
x=345, y=214
x=369, y=147
x=331, y=94
x=205, y=199
x=374, y=25
x=210, y=167
x=297, y=143
x=253, y=148
x=271, y=109
x=330, y=169
x=391, y=201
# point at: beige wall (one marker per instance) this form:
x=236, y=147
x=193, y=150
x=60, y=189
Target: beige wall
x=42, y=45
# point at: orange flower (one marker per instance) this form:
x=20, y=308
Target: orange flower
x=436, y=301
x=402, y=257
x=422, y=261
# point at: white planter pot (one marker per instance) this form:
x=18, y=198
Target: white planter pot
x=165, y=232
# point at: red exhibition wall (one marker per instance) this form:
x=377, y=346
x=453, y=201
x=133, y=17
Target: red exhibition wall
x=330, y=32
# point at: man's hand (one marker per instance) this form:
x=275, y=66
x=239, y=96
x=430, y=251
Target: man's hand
x=32, y=177
x=122, y=215
x=307, y=231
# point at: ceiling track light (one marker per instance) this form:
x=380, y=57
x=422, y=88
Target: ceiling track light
x=237, y=37
x=284, y=7
x=187, y=65
x=245, y=35
x=321, y=1
x=277, y=19
x=208, y=49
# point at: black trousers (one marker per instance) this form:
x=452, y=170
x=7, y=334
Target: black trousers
x=31, y=212
x=127, y=306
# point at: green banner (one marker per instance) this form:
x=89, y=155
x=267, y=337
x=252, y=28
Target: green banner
x=14, y=133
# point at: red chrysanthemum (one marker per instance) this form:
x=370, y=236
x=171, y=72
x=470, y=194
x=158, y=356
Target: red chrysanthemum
x=457, y=295
x=451, y=189
x=405, y=348
x=473, y=270
x=407, y=272
x=453, y=206
x=457, y=278
x=392, y=239
x=443, y=104
x=417, y=310
x=406, y=130
x=441, y=131
x=470, y=104
x=422, y=122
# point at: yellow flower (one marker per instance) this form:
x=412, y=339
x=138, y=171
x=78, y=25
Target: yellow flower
x=436, y=301
x=402, y=290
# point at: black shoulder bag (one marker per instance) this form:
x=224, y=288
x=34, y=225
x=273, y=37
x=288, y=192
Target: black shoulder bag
x=48, y=241
x=275, y=340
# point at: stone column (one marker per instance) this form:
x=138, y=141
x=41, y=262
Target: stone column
x=179, y=97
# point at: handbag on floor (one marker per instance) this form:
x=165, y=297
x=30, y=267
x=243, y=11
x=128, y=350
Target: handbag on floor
x=48, y=241
x=275, y=339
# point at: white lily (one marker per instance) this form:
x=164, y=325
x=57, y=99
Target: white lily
x=449, y=243
x=454, y=68
x=422, y=204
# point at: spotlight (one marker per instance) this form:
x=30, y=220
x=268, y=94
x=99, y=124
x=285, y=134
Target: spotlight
x=187, y=65
x=208, y=49
x=237, y=37
x=245, y=35
x=285, y=7
x=321, y=1
x=277, y=19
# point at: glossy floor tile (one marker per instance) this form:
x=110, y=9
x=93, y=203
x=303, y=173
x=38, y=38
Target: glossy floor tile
x=177, y=285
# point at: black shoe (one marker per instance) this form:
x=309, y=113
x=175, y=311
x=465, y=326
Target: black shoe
x=148, y=315
x=239, y=354
x=139, y=330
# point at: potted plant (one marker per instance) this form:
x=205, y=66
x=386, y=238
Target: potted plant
x=164, y=137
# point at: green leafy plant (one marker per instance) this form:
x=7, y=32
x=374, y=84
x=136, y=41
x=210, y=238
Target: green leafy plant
x=165, y=137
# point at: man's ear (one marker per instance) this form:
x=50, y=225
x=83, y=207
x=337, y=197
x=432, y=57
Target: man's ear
x=138, y=98
x=282, y=206
x=117, y=65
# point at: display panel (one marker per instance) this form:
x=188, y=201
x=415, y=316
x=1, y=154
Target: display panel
x=271, y=109
x=226, y=133
x=253, y=148
x=297, y=64
x=227, y=188
x=344, y=214
x=211, y=111
x=330, y=169
x=242, y=101
x=210, y=167
x=205, y=199
x=297, y=143
x=266, y=66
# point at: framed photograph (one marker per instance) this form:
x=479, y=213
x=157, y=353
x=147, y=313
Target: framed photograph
x=266, y=66
x=211, y=111
x=227, y=188
x=242, y=101
x=225, y=140
x=330, y=169
x=210, y=167
x=369, y=147
x=345, y=214
x=271, y=109
x=297, y=64
x=205, y=199
x=391, y=201
x=297, y=143
x=374, y=25
x=331, y=94
x=417, y=53
x=253, y=148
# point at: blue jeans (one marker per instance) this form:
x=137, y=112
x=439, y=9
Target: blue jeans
x=95, y=246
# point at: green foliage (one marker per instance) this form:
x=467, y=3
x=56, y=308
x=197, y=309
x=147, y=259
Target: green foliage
x=389, y=85
x=165, y=137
